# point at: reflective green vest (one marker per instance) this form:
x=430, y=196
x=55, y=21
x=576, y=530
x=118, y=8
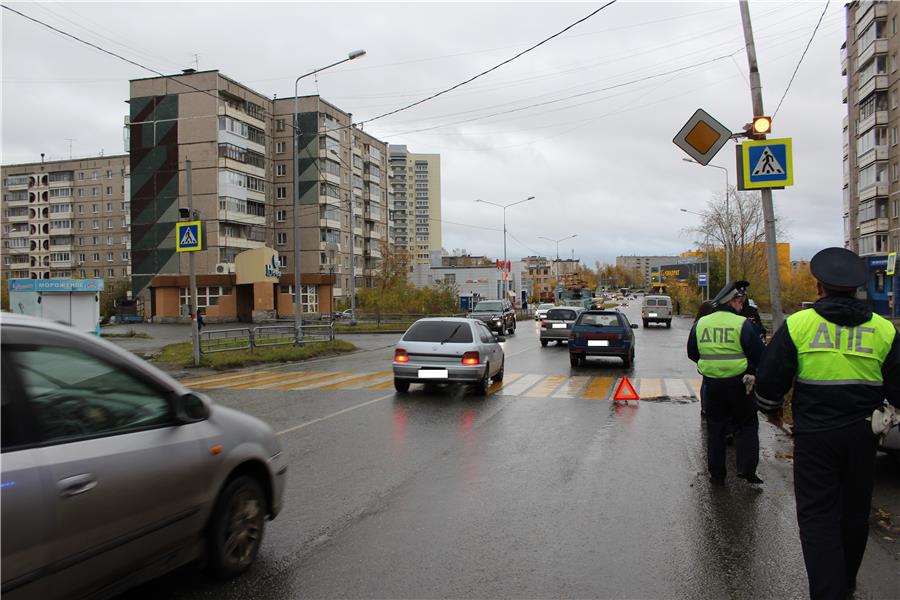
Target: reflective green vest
x=719, y=342
x=829, y=354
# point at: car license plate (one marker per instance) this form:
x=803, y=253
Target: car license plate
x=652, y=315
x=559, y=326
x=432, y=373
x=598, y=342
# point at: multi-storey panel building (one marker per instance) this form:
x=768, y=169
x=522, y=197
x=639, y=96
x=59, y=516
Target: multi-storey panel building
x=241, y=145
x=416, y=202
x=67, y=219
x=642, y=265
x=869, y=60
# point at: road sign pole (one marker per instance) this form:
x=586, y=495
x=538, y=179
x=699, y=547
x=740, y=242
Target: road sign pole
x=767, y=206
x=195, y=324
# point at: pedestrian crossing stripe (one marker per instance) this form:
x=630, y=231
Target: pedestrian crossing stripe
x=528, y=385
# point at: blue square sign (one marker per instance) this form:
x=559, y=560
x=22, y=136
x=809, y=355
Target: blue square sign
x=188, y=237
x=767, y=164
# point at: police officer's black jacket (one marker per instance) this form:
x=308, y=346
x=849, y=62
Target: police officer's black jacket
x=821, y=408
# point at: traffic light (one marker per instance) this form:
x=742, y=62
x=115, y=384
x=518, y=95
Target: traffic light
x=758, y=129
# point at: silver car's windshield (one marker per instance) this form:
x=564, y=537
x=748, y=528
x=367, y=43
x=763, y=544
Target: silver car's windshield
x=489, y=306
x=453, y=332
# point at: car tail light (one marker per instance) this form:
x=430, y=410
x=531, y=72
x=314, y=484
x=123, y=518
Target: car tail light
x=470, y=358
x=401, y=356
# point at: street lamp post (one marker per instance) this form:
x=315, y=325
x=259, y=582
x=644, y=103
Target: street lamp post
x=505, y=285
x=298, y=305
x=568, y=237
x=708, y=274
x=728, y=239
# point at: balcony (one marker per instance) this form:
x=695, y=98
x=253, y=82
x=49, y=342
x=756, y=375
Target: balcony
x=879, y=117
x=12, y=200
x=873, y=191
x=18, y=250
x=241, y=217
x=874, y=154
x=17, y=233
x=878, y=82
x=879, y=46
x=239, y=242
x=880, y=225
x=62, y=264
x=62, y=231
x=18, y=218
x=866, y=13
x=232, y=110
x=61, y=246
x=330, y=223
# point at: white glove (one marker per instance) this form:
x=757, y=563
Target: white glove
x=749, y=381
x=884, y=419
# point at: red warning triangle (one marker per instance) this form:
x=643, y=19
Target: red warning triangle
x=625, y=391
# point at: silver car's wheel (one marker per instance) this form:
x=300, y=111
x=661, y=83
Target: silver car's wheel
x=482, y=386
x=236, y=528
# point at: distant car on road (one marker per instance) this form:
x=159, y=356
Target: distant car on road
x=498, y=315
x=541, y=311
x=446, y=350
x=557, y=324
x=114, y=473
x=657, y=309
x=601, y=333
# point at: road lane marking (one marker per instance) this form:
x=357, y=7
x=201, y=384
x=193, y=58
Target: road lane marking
x=203, y=381
x=357, y=382
x=507, y=379
x=520, y=386
x=598, y=388
x=648, y=387
x=314, y=381
x=573, y=387
x=547, y=386
x=677, y=388
x=695, y=385
x=262, y=382
x=290, y=378
x=384, y=385
x=334, y=414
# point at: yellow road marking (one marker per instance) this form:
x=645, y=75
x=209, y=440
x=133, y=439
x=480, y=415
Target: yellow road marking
x=283, y=378
x=356, y=381
x=648, y=387
x=384, y=385
x=598, y=388
x=507, y=379
x=312, y=382
x=572, y=387
x=203, y=381
x=520, y=386
x=547, y=386
x=695, y=384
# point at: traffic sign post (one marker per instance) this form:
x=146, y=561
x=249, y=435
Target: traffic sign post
x=701, y=280
x=765, y=164
x=702, y=137
x=188, y=236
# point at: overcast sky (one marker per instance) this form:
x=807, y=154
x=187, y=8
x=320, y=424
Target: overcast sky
x=601, y=165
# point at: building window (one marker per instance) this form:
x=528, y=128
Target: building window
x=109, y=206
x=281, y=216
x=309, y=301
x=109, y=256
x=109, y=240
x=206, y=296
x=96, y=273
x=109, y=174
x=893, y=136
x=279, y=124
x=94, y=208
x=282, y=260
x=279, y=147
x=96, y=257
x=126, y=255
x=111, y=272
x=281, y=192
x=281, y=170
x=109, y=224
x=95, y=191
x=281, y=239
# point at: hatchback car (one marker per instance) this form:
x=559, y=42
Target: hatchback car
x=445, y=350
x=541, y=311
x=556, y=326
x=601, y=333
x=113, y=473
x=656, y=309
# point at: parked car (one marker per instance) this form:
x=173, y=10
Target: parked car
x=541, y=311
x=601, y=333
x=891, y=442
x=656, y=309
x=557, y=324
x=114, y=473
x=498, y=315
x=446, y=350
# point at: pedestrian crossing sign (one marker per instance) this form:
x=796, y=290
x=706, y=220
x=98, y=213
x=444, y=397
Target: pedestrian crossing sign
x=767, y=164
x=188, y=236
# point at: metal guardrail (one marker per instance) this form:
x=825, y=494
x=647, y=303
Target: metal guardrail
x=247, y=338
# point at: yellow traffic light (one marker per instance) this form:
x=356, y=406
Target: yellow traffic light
x=761, y=125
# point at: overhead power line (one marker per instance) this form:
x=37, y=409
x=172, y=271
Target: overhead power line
x=802, y=56
x=494, y=68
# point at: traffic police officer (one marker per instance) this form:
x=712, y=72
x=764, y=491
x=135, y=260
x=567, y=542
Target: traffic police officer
x=726, y=347
x=842, y=361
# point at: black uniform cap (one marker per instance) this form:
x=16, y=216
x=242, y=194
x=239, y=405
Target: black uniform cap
x=731, y=289
x=839, y=268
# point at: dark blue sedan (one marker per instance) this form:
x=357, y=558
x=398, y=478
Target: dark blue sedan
x=601, y=333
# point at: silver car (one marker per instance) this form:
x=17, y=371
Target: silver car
x=558, y=323
x=541, y=312
x=443, y=350
x=113, y=473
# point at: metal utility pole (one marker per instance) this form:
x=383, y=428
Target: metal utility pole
x=505, y=285
x=768, y=209
x=195, y=324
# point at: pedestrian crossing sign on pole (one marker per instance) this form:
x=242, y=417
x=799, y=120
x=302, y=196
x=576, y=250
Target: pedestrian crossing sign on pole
x=766, y=164
x=188, y=236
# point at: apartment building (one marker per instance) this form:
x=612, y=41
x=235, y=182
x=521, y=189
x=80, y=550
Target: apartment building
x=66, y=219
x=241, y=146
x=415, y=202
x=643, y=265
x=871, y=154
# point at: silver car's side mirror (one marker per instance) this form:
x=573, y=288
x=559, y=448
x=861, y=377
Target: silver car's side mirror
x=192, y=407
x=634, y=325
x=499, y=338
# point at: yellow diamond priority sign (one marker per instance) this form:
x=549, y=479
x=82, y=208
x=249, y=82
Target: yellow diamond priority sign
x=702, y=137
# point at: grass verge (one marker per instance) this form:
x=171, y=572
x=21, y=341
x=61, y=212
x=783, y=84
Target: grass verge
x=131, y=333
x=179, y=355
x=373, y=327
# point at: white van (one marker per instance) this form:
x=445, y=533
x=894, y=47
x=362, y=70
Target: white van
x=657, y=309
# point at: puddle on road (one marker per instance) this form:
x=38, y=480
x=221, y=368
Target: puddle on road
x=670, y=399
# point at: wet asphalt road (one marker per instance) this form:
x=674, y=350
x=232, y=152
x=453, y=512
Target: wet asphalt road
x=440, y=494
